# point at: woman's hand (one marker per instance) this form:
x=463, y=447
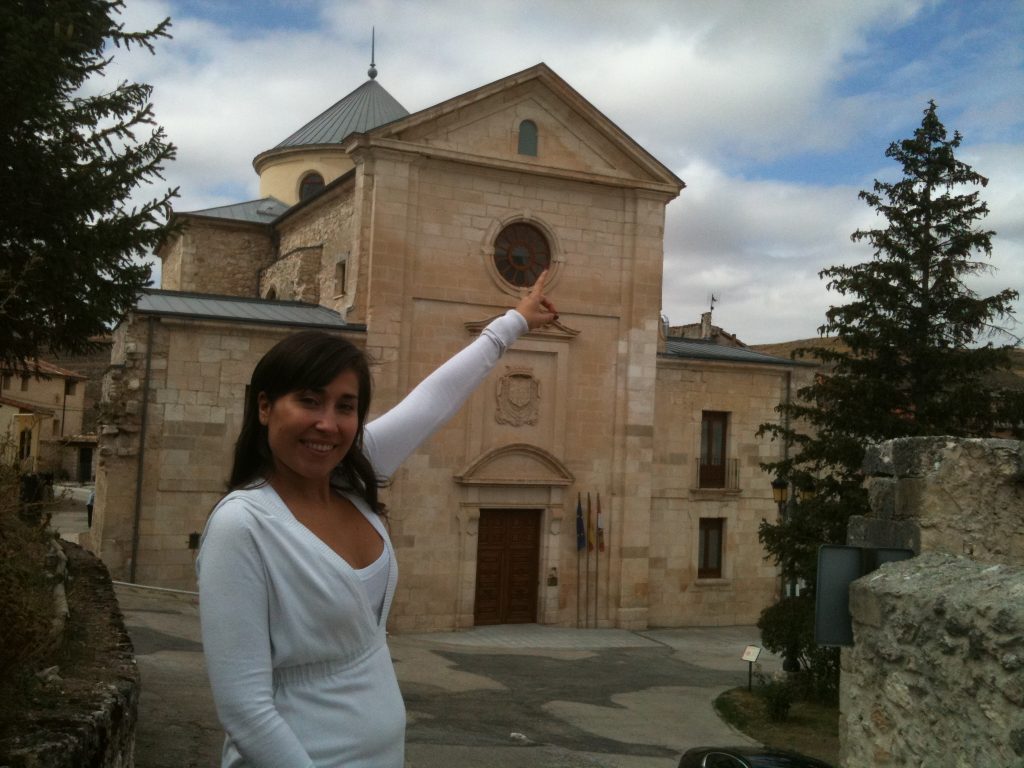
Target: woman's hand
x=536, y=307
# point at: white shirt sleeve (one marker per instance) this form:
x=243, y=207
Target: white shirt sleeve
x=236, y=642
x=389, y=439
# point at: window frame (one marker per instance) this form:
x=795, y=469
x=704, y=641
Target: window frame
x=712, y=474
x=513, y=236
x=305, y=179
x=705, y=568
x=528, y=138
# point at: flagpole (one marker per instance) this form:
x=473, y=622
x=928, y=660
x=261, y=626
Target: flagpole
x=577, y=589
x=590, y=546
x=597, y=558
x=580, y=536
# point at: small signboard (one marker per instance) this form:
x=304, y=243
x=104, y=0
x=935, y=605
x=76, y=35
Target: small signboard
x=750, y=653
x=838, y=567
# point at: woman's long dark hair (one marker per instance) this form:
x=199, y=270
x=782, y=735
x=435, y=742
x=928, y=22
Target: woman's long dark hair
x=306, y=360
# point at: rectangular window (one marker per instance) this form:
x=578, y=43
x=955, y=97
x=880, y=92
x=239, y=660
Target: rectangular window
x=713, y=428
x=709, y=556
x=24, y=383
x=341, y=276
x=69, y=388
x=7, y=381
x=25, y=444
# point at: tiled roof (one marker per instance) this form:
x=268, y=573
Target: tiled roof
x=367, y=107
x=238, y=309
x=262, y=211
x=21, y=405
x=701, y=349
x=46, y=370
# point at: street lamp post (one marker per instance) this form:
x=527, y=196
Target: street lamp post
x=780, y=493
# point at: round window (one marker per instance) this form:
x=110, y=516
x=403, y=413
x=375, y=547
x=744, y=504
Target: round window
x=521, y=253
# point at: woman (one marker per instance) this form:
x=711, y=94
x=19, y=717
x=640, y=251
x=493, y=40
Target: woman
x=296, y=570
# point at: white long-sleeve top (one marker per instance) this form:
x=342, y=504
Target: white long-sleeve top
x=296, y=654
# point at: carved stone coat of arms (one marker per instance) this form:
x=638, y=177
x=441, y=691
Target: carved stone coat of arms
x=518, y=398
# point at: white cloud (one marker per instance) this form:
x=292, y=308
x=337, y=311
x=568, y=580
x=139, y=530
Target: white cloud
x=711, y=89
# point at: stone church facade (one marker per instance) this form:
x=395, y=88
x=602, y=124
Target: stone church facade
x=406, y=233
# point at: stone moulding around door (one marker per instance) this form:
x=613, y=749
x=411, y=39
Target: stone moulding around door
x=516, y=464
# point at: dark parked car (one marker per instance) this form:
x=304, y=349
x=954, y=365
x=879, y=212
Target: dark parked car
x=747, y=757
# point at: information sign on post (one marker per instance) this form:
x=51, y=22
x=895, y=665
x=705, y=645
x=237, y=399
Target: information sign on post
x=750, y=654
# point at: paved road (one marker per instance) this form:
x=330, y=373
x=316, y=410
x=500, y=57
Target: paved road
x=508, y=697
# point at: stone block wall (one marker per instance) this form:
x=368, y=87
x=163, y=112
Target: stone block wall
x=936, y=673
x=937, y=494
x=196, y=392
x=219, y=257
x=749, y=394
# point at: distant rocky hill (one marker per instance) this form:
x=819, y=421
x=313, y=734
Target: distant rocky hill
x=1010, y=379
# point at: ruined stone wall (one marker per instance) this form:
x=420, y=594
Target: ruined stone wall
x=294, y=277
x=936, y=673
x=88, y=707
x=316, y=246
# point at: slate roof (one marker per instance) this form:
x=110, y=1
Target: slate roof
x=367, y=107
x=701, y=349
x=237, y=309
x=262, y=211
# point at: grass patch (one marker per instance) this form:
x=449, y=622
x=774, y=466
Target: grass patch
x=810, y=728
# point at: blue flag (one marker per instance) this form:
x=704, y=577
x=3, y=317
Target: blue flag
x=581, y=530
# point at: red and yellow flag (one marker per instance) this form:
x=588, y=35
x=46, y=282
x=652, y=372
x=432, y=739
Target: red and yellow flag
x=590, y=526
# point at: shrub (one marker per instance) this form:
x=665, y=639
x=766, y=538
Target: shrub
x=787, y=628
x=777, y=693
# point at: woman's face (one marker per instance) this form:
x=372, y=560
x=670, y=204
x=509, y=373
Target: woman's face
x=311, y=430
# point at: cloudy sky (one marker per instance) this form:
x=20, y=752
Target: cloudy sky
x=775, y=113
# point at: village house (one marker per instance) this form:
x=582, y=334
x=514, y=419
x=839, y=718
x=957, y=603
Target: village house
x=41, y=416
x=407, y=233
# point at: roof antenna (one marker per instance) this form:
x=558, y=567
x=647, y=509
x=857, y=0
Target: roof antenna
x=372, y=71
x=713, y=300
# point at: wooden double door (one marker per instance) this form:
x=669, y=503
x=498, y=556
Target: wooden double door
x=507, y=562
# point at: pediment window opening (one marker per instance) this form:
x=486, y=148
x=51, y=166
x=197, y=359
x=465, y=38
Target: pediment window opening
x=521, y=253
x=312, y=184
x=528, y=138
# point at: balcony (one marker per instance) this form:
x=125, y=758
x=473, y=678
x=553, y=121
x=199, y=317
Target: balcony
x=718, y=477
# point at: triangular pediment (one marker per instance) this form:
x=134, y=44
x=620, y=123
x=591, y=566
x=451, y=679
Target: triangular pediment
x=573, y=136
x=516, y=464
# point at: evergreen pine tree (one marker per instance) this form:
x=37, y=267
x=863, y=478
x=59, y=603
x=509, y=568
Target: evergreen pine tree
x=73, y=150
x=906, y=360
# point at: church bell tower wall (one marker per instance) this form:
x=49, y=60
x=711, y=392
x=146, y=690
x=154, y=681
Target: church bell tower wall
x=281, y=175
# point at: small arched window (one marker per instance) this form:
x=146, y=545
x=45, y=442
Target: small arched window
x=528, y=138
x=271, y=294
x=311, y=185
x=521, y=253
